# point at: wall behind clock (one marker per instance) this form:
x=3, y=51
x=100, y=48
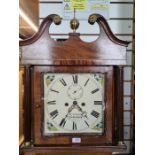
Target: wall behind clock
x=122, y=24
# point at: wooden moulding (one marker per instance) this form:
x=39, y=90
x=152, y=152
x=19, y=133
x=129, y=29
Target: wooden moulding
x=105, y=50
x=118, y=110
x=27, y=105
x=73, y=149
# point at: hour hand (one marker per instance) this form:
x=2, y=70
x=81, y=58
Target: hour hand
x=71, y=108
x=77, y=106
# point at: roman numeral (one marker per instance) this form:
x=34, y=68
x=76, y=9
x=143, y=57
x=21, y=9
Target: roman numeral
x=74, y=126
x=63, y=122
x=51, y=102
x=95, y=114
x=75, y=79
x=63, y=82
x=86, y=82
x=94, y=91
x=98, y=102
x=86, y=123
x=54, y=113
x=54, y=90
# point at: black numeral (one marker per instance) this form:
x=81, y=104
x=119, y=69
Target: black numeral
x=63, y=122
x=51, y=102
x=95, y=114
x=54, y=113
x=63, y=82
x=54, y=90
x=86, y=123
x=74, y=126
x=94, y=91
x=75, y=79
x=86, y=82
x=98, y=102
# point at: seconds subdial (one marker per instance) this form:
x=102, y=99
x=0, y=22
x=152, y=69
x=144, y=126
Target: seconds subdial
x=75, y=91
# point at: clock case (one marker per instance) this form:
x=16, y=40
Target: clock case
x=41, y=54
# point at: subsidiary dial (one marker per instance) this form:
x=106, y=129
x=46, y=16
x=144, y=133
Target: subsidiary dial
x=75, y=92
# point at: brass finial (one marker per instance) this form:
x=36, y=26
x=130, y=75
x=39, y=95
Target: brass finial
x=57, y=20
x=74, y=23
x=92, y=19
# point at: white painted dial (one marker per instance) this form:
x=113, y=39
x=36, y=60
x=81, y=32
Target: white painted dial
x=73, y=103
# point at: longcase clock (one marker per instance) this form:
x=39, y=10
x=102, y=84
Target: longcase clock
x=73, y=91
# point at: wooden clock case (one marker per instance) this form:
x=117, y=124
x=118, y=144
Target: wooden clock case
x=41, y=54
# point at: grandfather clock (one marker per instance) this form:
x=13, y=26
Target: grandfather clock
x=73, y=91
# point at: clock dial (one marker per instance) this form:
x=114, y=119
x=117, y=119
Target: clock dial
x=73, y=103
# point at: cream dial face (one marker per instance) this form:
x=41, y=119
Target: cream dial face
x=73, y=103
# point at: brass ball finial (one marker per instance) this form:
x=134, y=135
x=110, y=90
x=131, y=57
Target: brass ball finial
x=57, y=20
x=92, y=19
x=74, y=24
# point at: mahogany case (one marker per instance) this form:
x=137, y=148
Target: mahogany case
x=41, y=54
